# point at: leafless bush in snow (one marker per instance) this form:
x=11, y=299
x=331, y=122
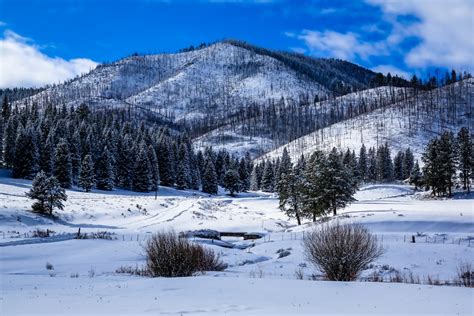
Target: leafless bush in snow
x=341, y=251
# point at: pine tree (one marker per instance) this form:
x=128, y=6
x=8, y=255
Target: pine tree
x=290, y=194
x=6, y=108
x=398, y=165
x=87, y=175
x=125, y=160
x=339, y=187
x=46, y=155
x=254, y=181
x=62, y=166
x=384, y=164
x=312, y=189
x=244, y=177
x=104, y=173
x=466, y=157
x=47, y=192
x=231, y=181
x=268, y=178
x=209, y=177
x=372, y=166
x=25, y=163
x=363, y=164
x=9, y=140
x=142, y=177
x=416, y=178
x=155, y=172
x=166, y=164
x=408, y=163
x=183, y=177
x=447, y=154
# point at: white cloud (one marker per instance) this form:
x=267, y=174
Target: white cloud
x=445, y=30
x=340, y=45
x=2, y=23
x=22, y=64
x=392, y=70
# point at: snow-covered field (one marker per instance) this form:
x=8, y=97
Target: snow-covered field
x=257, y=281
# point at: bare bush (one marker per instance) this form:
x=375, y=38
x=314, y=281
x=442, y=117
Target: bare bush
x=465, y=275
x=49, y=266
x=39, y=233
x=170, y=256
x=341, y=251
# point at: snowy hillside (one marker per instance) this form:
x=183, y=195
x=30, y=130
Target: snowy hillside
x=411, y=122
x=90, y=268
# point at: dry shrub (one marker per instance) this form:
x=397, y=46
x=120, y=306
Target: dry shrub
x=341, y=251
x=465, y=275
x=168, y=255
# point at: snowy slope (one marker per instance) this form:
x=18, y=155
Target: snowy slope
x=407, y=123
x=257, y=281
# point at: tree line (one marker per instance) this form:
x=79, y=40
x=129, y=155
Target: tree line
x=105, y=149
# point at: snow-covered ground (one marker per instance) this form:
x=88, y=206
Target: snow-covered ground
x=257, y=281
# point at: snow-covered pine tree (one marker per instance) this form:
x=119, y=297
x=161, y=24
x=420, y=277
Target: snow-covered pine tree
x=75, y=150
x=87, y=174
x=372, y=166
x=125, y=160
x=244, y=177
x=466, y=157
x=447, y=155
x=311, y=176
x=47, y=192
x=62, y=166
x=363, y=164
x=142, y=177
x=46, y=154
x=416, y=177
x=155, y=172
x=268, y=178
x=183, y=176
x=9, y=140
x=254, y=181
x=384, y=164
x=231, y=181
x=25, y=163
x=166, y=164
x=290, y=193
x=339, y=186
x=195, y=171
x=398, y=165
x=104, y=171
x=408, y=163
x=209, y=177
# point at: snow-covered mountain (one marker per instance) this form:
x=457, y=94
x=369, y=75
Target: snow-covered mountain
x=214, y=80
x=410, y=121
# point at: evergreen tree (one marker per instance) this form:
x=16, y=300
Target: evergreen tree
x=142, y=177
x=6, y=108
x=209, y=177
x=104, y=173
x=408, y=163
x=315, y=202
x=166, y=164
x=268, y=178
x=231, y=181
x=47, y=192
x=447, y=154
x=416, y=178
x=87, y=175
x=398, y=165
x=254, y=181
x=62, y=166
x=9, y=141
x=384, y=164
x=290, y=194
x=466, y=157
x=339, y=187
x=46, y=155
x=155, y=172
x=363, y=164
x=372, y=166
x=183, y=177
x=244, y=177
x=25, y=163
x=125, y=161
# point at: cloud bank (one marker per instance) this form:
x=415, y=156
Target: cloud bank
x=22, y=64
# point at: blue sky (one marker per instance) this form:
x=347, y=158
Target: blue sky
x=66, y=37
